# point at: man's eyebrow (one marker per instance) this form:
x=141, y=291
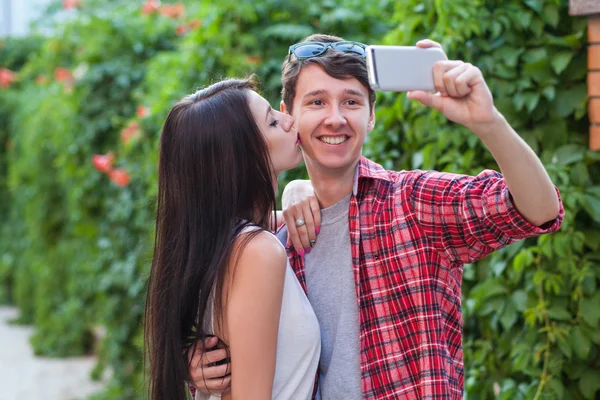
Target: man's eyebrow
x=354, y=92
x=314, y=93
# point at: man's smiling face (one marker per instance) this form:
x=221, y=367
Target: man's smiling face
x=333, y=117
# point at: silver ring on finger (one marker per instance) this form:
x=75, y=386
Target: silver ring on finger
x=300, y=222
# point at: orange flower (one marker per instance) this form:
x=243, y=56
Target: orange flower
x=68, y=4
x=182, y=30
x=7, y=77
x=131, y=131
x=41, y=79
x=142, y=111
x=120, y=177
x=172, y=11
x=63, y=75
x=195, y=24
x=104, y=163
x=253, y=59
x=150, y=7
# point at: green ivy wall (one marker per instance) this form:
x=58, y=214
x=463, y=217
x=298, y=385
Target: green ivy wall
x=76, y=242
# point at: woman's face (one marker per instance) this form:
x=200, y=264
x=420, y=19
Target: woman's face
x=279, y=132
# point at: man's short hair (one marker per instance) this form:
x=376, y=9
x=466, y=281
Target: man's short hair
x=336, y=64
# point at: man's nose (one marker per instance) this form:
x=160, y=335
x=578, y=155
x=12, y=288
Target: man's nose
x=335, y=117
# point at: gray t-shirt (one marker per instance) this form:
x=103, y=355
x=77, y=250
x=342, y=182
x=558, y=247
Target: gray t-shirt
x=330, y=287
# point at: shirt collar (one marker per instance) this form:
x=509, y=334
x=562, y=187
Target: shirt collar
x=367, y=169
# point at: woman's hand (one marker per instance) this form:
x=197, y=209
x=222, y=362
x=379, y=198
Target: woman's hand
x=302, y=215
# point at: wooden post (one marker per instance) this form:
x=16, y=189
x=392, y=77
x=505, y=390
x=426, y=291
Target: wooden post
x=594, y=80
x=591, y=9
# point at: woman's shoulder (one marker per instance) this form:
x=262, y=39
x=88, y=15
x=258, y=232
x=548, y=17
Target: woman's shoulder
x=261, y=250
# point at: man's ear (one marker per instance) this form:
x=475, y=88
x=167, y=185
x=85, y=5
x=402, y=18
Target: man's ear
x=283, y=108
x=371, y=123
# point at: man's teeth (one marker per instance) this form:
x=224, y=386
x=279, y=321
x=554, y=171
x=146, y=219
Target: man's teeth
x=333, y=140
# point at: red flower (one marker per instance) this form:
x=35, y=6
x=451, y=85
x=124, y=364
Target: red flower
x=7, y=77
x=142, y=111
x=68, y=4
x=150, y=7
x=173, y=11
x=131, y=131
x=63, y=75
x=104, y=163
x=120, y=177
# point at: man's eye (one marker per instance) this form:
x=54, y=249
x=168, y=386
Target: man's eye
x=353, y=102
x=317, y=102
x=274, y=123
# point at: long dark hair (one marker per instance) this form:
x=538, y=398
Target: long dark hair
x=214, y=178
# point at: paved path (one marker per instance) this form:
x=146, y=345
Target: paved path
x=26, y=377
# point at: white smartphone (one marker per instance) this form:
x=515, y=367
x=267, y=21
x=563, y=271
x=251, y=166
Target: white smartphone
x=402, y=68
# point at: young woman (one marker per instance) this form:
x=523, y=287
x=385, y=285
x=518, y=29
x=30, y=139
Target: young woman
x=217, y=270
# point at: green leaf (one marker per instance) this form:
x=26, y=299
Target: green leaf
x=589, y=383
x=559, y=314
x=568, y=154
x=560, y=61
x=592, y=238
x=549, y=92
x=488, y=289
x=592, y=206
x=557, y=387
x=580, y=343
x=509, y=316
x=531, y=100
x=535, y=5
x=565, y=348
x=567, y=100
x=551, y=15
x=520, y=300
x=590, y=309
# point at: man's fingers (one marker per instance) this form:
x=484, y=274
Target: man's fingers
x=428, y=99
x=194, y=354
x=428, y=43
x=439, y=70
x=450, y=80
x=466, y=80
x=213, y=386
x=214, y=356
x=218, y=371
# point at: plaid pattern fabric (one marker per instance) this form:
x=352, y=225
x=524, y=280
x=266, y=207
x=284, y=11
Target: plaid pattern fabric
x=411, y=232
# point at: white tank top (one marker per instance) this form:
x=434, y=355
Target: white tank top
x=298, y=345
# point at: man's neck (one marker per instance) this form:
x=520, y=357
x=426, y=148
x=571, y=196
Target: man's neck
x=331, y=186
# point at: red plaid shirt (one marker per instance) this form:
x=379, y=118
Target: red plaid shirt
x=411, y=232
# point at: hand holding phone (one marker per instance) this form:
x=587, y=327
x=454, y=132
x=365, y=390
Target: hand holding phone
x=402, y=68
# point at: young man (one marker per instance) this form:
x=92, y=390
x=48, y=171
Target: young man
x=384, y=277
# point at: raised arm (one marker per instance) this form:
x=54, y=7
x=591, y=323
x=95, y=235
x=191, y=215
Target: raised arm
x=465, y=98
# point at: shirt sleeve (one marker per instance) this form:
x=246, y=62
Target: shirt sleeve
x=467, y=217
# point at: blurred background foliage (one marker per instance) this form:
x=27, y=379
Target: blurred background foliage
x=80, y=116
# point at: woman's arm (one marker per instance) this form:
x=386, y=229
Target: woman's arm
x=252, y=316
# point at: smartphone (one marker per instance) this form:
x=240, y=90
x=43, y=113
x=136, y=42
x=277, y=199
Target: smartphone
x=402, y=68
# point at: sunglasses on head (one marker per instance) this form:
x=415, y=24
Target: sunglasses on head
x=306, y=50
